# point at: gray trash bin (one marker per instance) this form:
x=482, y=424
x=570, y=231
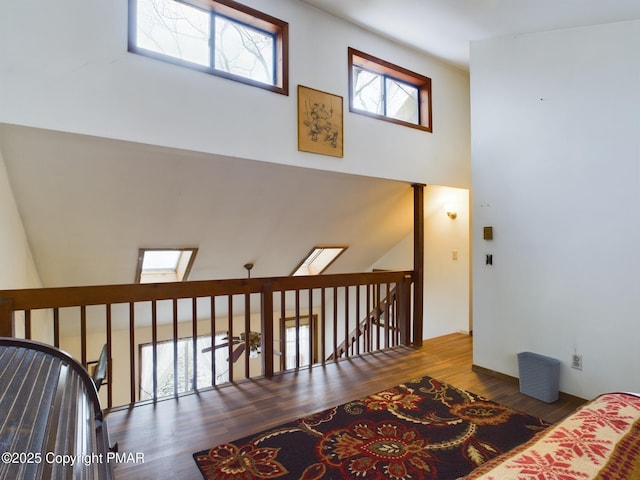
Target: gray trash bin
x=539, y=376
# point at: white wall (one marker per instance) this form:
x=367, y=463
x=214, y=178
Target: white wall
x=17, y=268
x=447, y=299
x=556, y=172
x=73, y=73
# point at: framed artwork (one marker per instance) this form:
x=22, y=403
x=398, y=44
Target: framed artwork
x=319, y=122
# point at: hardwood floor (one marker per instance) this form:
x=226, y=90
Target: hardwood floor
x=169, y=432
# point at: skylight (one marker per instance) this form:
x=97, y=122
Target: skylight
x=318, y=260
x=157, y=265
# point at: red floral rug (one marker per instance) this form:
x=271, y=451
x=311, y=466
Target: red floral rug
x=422, y=429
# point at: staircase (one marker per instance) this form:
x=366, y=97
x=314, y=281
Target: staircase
x=378, y=318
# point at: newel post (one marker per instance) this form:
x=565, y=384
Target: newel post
x=418, y=263
x=6, y=317
x=266, y=327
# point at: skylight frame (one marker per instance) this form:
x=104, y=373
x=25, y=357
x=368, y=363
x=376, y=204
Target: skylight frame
x=314, y=264
x=179, y=273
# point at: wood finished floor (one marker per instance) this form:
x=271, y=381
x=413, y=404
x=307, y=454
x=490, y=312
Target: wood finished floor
x=169, y=432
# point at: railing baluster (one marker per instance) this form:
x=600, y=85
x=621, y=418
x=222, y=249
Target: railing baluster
x=394, y=317
x=109, y=361
x=56, y=327
x=336, y=354
x=347, y=343
x=297, y=323
x=194, y=343
x=230, y=337
x=154, y=347
x=387, y=320
x=378, y=326
x=83, y=334
x=174, y=326
x=283, y=331
x=213, y=340
x=359, y=327
x=266, y=327
x=27, y=324
x=368, y=304
x=132, y=352
x=247, y=333
x=312, y=333
x=404, y=309
x=323, y=326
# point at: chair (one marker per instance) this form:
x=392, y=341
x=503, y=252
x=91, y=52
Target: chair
x=100, y=371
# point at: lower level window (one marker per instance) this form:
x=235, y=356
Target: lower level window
x=185, y=380
x=307, y=333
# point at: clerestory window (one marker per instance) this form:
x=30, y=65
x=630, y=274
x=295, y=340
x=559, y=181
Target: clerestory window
x=382, y=90
x=220, y=37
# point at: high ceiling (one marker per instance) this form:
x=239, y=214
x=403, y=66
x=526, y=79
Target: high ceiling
x=444, y=28
x=88, y=204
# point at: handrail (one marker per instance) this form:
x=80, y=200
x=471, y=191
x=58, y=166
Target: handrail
x=60, y=297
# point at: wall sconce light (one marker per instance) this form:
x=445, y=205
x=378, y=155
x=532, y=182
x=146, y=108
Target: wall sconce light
x=451, y=213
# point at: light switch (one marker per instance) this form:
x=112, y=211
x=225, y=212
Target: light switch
x=454, y=254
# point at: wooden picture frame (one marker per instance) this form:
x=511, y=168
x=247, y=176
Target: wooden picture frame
x=320, y=122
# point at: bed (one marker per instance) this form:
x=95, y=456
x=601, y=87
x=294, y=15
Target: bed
x=600, y=440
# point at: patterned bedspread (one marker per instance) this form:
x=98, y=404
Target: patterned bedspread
x=601, y=440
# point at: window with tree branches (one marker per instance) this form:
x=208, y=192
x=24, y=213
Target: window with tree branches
x=220, y=37
x=173, y=378
x=382, y=90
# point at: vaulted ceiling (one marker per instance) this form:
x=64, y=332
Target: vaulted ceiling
x=444, y=28
x=88, y=204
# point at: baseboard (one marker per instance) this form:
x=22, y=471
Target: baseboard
x=502, y=376
x=515, y=380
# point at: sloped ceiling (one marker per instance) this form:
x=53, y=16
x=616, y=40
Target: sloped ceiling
x=444, y=28
x=88, y=204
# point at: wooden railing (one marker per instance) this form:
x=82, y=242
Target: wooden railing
x=128, y=318
x=379, y=327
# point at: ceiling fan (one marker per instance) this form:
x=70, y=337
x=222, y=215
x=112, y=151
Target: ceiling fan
x=254, y=345
x=255, y=338
x=241, y=342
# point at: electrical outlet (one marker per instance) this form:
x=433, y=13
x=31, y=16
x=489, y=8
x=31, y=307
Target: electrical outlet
x=576, y=361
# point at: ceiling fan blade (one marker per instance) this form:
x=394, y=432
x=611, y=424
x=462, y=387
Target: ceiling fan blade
x=237, y=352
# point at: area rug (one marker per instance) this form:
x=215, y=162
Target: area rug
x=421, y=429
